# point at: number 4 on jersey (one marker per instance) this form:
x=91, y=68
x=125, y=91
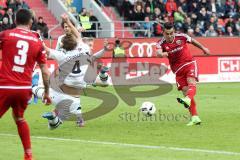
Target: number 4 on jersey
x=76, y=68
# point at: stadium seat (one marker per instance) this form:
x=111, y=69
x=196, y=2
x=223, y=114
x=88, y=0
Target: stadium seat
x=41, y=10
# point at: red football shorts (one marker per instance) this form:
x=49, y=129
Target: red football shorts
x=189, y=70
x=17, y=99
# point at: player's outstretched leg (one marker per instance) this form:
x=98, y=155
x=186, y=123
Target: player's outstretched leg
x=53, y=120
x=68, y=107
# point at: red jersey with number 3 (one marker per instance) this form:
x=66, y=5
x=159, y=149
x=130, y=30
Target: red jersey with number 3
x=21, y=49
x=178, y=51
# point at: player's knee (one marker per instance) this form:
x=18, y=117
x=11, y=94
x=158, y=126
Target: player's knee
x=191, y=81
x=17, y=117
x=184, y=90
x=75, y=107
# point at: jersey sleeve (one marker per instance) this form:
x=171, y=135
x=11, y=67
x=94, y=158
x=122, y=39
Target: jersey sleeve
x=59, y=56
x=159, y=44
x=83, y=47
x=58, y=45
x=188, y=38
x=37, y=35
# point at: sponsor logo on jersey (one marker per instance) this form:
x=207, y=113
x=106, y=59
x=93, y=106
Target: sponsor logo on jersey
x=179, y=42
x=176, y=49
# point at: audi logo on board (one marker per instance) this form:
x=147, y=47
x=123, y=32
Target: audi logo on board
x=142, y=49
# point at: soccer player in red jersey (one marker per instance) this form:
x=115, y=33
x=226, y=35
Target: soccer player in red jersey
x=174, y=47
x=21, y=49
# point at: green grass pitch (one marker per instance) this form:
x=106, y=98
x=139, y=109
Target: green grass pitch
x=118, y=136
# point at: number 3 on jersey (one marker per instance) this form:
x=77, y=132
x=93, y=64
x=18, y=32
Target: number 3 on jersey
x=21, y=58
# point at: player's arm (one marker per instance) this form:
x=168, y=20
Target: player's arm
x=200, y=46
x=100, y=53
x=42, y=60
x=47, y=49
x=54, y=54
x=159, y=50
x=58, y=45
x=161, y=53
x=45, y=77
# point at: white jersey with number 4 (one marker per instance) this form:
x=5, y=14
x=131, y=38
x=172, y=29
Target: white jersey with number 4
x=73, y=65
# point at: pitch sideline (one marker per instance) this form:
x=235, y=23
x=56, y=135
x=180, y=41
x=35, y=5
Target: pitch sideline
x=131, y=145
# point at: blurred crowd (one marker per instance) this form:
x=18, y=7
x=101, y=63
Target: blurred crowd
x=195, y=17
x=8, y=11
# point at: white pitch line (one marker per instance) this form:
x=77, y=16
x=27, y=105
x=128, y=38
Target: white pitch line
x=131, y=145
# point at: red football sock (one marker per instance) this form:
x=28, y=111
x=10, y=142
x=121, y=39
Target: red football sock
x=24, y=134
x=193, y=108
x=191, y=91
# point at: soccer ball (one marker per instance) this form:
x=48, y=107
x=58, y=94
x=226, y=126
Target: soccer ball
x=148, y=108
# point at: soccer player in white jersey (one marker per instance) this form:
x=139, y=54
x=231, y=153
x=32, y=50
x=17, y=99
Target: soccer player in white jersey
x=70, y=77
x=67, y=30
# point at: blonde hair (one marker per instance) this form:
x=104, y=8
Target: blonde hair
x=69, y=42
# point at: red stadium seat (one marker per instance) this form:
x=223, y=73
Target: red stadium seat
x=3, y=3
